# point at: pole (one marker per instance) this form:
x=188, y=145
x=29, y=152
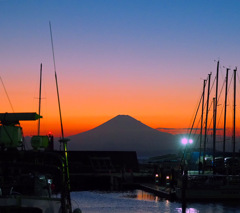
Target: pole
x=234, y=113
x=214, y=132
x=215, y=103
x=225, y=113
x=200, y=147
x=205, y=136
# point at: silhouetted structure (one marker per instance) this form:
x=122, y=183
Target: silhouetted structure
x=101, y=169
x=102, y=161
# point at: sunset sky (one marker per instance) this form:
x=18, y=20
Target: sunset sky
x=143, y=58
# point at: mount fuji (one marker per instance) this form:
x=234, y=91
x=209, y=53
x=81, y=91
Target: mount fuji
x=124, y=133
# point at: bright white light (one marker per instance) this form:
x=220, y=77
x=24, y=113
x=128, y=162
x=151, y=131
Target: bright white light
x=190, y=141
x=184, y=141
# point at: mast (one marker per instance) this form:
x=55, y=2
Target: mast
x=62, y=140
x=40, y=97
x=200, y=147
x=225, y=113
x=234, y=112
x=214, y=132
x=205, y=136
x=215, y=102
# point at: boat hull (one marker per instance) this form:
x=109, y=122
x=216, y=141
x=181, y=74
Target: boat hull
x=208, y=194
x=40, y=204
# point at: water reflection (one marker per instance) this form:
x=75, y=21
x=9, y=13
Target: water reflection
x=142, y=195
x=188, y=210
x=142, y=202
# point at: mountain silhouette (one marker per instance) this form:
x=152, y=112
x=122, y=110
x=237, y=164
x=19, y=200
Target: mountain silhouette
x=124, y=133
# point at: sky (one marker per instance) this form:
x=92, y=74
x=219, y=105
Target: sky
x=143, y=58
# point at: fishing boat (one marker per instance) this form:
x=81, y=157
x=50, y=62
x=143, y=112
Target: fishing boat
x=218, y=174
x=30, y=180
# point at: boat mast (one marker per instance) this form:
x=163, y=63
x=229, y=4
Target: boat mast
x=62, y=140
x=214, y=132
x=215, y=102
x=225, y=113
x=40, y=97
x=205, y=136
x=200, y=147
x=234, y=112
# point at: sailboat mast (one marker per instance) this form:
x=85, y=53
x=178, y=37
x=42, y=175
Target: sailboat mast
x=234, y=112
x=40, y=98
x=200, y=146
x=205, y=136
x=215, y=103
x=214, y=132
x=225, y=113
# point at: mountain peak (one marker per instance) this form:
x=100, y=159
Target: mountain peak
x=123, y=117
x=123, y=122
x=124, y=133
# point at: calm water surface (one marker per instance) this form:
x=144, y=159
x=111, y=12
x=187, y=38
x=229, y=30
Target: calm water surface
x=142, y=202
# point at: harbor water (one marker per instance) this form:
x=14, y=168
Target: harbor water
x=143, y=202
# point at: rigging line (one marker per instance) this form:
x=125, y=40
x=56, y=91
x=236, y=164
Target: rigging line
x=222, y=107
x=197, y=126
x=229, y=87
x=7, y=94
x=219, y=119
x=211, y=117
x=221, y=71
x=197, y=108
x=213, y=84
x=211, y=101
x=221, y=90
x=185, y=149
x=239, y=82
x=210, y=123
x=196, y=114
x=230, y=83
x=209, y=93
x=238, y=77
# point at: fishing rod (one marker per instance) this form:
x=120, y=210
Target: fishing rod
x=40, y=98
x=62, y=140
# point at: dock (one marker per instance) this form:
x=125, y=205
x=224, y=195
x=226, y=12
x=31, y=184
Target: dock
x=161, y=191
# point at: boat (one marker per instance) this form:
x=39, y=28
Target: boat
x=209, y=187
x=218, y=174
x=30, y=180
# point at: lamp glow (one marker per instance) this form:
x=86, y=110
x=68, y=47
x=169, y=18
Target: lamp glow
x=190, y=141
x=184, y=141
